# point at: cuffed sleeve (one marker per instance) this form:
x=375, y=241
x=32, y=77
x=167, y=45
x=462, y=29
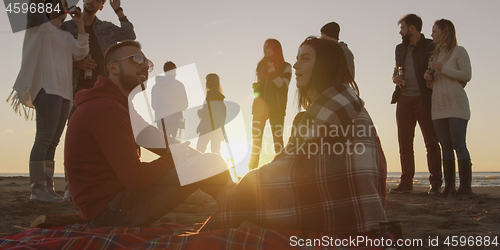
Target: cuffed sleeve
x=81, y=47
x=126, y=31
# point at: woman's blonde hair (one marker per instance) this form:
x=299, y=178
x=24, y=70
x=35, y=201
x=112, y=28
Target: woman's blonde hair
x=443, y=50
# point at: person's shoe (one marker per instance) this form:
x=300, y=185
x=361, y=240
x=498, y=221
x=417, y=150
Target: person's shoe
x=49, y=176
x=465, y=172
x=449, y=177
x=435, y=190
x=401, y=188
x=38, y=183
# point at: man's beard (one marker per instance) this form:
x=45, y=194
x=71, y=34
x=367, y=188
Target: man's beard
x=90, y=11
x=128, y=82
x=406, y=38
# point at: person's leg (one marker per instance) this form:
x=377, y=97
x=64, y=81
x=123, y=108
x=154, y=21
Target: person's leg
x=258, y=124
x=277, y=122
x=47, y=108
x=215, y=144
x=458, y=131
x=60, y=117
x=406, y=123
x=50, y=163
x=442, y=129
x=202, y=143
x=423, y=115
x=141, y=208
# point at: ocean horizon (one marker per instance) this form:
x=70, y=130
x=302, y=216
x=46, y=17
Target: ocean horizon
x=479, y=179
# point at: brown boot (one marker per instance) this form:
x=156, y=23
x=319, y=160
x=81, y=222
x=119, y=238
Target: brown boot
x=38, y=182
x=49, y=176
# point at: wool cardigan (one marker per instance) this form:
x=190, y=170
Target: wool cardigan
x=47, y=62
x=449, y=99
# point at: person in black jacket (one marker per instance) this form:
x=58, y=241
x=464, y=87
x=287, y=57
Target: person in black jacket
x=413, y=100
x=212, y=116
x=271, y=94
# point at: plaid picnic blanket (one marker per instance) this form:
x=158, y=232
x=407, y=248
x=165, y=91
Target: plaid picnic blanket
x=330, y=177
x=170, y=236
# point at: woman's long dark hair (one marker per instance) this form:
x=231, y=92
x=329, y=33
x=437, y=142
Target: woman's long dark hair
x=277, y=59
x=330, y=69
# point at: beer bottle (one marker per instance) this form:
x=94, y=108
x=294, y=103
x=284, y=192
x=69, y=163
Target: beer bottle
x=431, y=70
x=88, y=73
x=401, y=73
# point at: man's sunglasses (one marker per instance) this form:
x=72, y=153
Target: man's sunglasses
x=139, y=59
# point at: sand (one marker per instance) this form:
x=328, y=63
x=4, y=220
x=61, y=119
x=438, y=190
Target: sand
x=423, y=216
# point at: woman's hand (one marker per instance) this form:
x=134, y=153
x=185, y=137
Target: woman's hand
x=436, y=65
x=77, y=15
x=428, y=78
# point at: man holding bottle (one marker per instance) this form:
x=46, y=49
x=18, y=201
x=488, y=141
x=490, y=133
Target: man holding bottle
x=413, y=100
x=102, y=35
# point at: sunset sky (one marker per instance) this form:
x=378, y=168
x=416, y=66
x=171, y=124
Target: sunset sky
x=227, y=37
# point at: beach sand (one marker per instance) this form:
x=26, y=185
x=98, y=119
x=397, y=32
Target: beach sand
x=422, y=216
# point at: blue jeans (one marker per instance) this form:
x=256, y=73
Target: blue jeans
x=451, y=133
x=51, y=115
x=143, y=207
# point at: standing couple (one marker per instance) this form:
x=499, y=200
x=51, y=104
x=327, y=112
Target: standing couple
x=431, y=92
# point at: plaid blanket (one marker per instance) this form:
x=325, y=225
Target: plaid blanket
x=171, y=236
x=330, y=177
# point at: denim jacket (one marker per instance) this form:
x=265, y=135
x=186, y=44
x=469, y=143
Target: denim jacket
x=107, y=34
x=421, y=54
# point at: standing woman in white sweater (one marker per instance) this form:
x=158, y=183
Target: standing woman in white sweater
x=447, y=75
x=44, y=83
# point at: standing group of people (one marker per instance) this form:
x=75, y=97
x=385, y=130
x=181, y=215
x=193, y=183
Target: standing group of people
x=338, y=192
x=59, y=59
x=431, y=92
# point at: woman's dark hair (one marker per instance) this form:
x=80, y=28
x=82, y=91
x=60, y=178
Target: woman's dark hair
x=330, y=69
x=277, y=59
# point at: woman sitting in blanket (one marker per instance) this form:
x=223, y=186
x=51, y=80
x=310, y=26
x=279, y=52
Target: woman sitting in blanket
x=331, y=175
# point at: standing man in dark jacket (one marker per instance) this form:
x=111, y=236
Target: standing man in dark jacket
x=413, y=100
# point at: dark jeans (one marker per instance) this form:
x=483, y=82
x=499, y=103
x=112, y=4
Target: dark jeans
x=409, y=111
x=258, y=124
x=143, y=207
x=451, y=133
x=51, y=115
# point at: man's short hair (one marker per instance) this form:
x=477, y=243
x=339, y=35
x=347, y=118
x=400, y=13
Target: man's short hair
x=331, y=29
x=169, y=65
x=412, y=19
x=112, y=52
